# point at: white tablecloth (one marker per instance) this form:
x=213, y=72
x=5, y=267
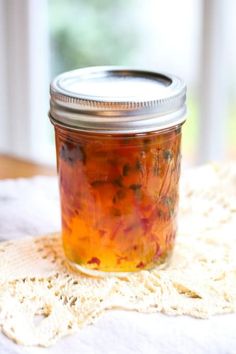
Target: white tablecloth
x=31, y=207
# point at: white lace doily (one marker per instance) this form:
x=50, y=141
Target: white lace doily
x=41, y=300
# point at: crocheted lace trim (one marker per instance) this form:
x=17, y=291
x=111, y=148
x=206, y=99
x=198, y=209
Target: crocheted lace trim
x=41, y=300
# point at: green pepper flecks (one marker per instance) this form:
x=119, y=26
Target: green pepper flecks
x=115, y=212
x=121, y=194
x=146, y=143
x=98, y=183
x=169, y=203
x=71, y=153
x=135, y=187
x=126, y=169
x=118, y=181
x=168, y=155
x=160, y=214
x=137, y=190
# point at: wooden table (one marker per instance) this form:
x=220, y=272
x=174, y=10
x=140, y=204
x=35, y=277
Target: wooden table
x=13, y=167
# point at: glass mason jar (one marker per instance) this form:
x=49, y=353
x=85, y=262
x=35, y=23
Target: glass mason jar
x=118, y=134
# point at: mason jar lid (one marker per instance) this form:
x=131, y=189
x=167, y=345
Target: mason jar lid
x=117, y=100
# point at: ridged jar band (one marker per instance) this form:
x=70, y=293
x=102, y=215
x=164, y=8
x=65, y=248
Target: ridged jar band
x=138, y=124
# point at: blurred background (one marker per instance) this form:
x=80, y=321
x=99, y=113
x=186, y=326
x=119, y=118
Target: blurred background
x=194, y=39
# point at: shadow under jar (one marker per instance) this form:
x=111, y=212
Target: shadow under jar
x=118, y=134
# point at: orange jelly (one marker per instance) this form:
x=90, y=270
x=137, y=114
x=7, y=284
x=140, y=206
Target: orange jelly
x=119, y=196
